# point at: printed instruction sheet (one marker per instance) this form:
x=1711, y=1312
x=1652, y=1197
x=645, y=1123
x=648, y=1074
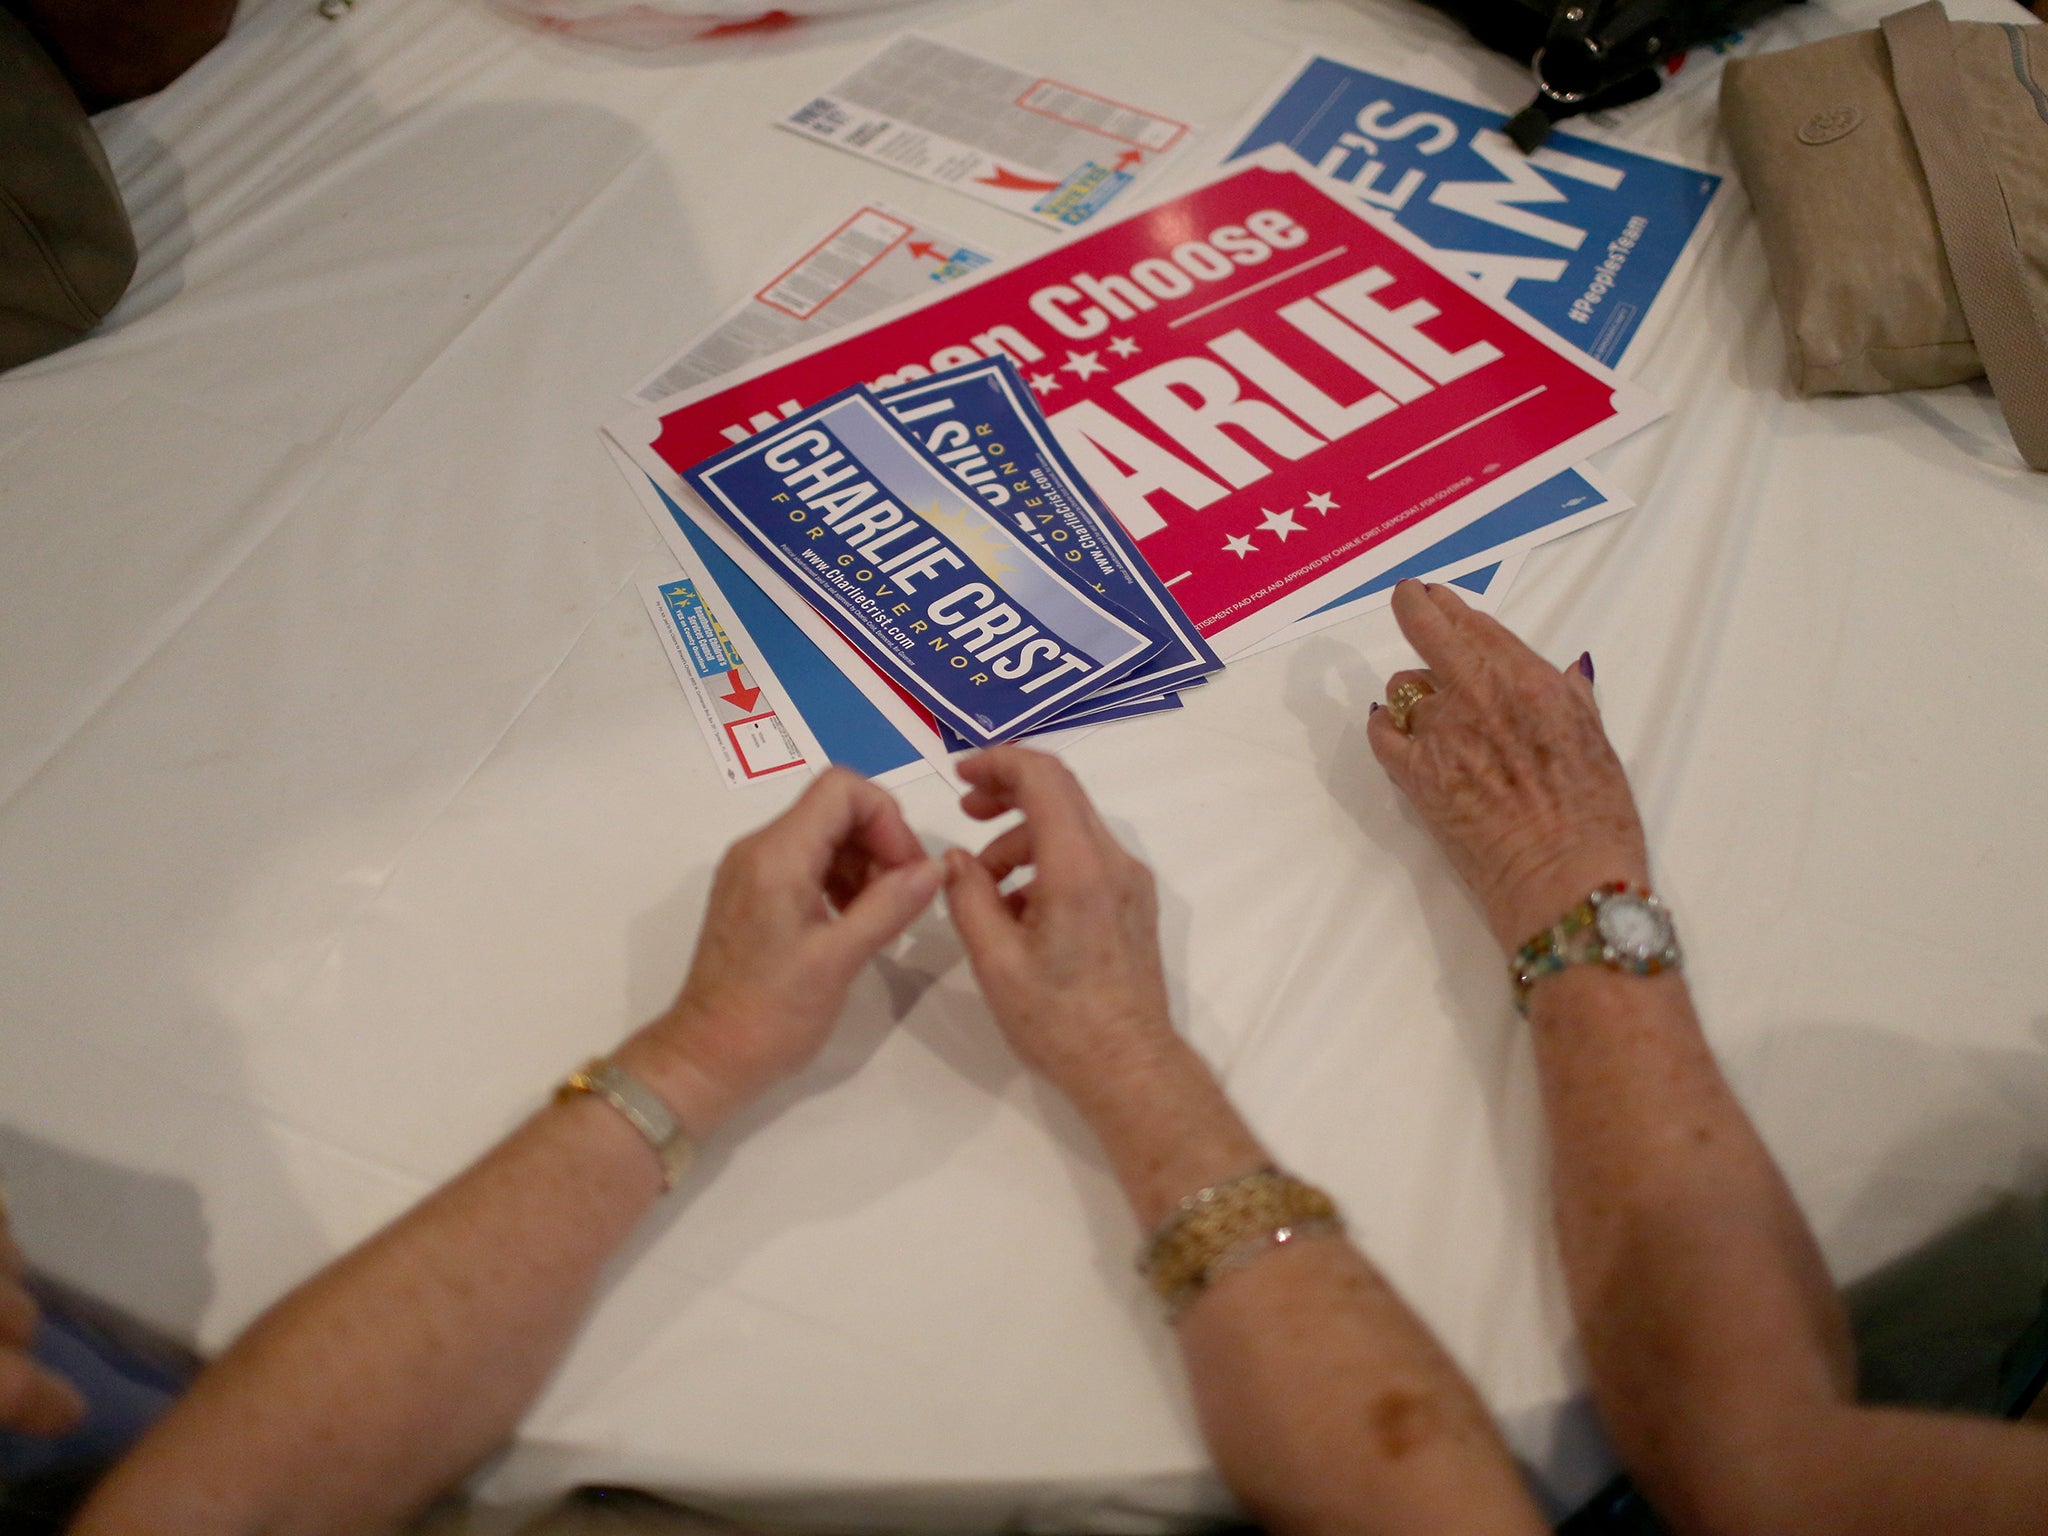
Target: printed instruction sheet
x=869, y=261
x=1055, y=153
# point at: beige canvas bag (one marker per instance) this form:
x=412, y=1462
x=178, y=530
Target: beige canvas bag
x=1900, y=178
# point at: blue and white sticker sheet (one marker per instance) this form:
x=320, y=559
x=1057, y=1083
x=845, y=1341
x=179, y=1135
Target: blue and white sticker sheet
x=866, y=527
x=748, y=737
x=833, y=719
x=1582, y=236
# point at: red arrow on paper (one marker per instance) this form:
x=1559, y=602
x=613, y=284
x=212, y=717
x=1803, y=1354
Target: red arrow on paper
x=925, y=248
x=1129, y=158
x=1010, y=181
x=741, y=699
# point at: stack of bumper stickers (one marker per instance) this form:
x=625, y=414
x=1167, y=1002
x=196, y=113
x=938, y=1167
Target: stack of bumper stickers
x=940, y=530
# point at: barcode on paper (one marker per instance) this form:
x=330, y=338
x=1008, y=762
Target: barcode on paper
x=1110, y=118
x=824, y=115
x=829, y=267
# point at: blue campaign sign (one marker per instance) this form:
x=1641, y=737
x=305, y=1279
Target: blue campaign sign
x=1580, y=235
x=1552, y=501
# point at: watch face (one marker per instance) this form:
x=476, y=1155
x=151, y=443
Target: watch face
x=1633, y=929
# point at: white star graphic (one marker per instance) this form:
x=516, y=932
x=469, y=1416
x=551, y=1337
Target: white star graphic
x=1083, y=364
x=1281, y=523
x=1044, y=383
x=1239, y=547
x=1322, y=501
x=1123, y=346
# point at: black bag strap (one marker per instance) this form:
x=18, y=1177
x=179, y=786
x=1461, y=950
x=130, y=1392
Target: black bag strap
x=1593, y=55
x=1975, y=223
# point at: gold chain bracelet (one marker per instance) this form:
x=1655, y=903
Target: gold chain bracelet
x=1225, y=1227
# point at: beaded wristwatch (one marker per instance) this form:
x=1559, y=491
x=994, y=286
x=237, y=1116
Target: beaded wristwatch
x=1620, y=926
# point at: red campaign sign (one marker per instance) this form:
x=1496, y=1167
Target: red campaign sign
x=1278, y=396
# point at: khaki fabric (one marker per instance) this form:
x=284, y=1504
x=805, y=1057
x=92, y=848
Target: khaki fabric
x=1985, y=248
x=1857, y=263
x=66, y=248
x=2005, y=77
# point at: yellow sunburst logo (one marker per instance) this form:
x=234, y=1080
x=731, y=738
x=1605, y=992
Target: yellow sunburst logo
x=972, y=536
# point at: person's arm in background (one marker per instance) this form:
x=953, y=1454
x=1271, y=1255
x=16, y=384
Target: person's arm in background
x=389, y=1375
x=1719, y=1350
x=1328, y=1405
x=34, y=1400
x=118, y=50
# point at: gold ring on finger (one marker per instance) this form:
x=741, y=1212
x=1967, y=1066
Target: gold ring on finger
x=1402, y=701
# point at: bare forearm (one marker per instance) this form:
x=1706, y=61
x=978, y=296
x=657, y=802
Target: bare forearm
x=1708, y=1318
x=1327, y=1403
x=393, y=1372
x=388, y=1376
x=1719, y=1350
x=1901, y=1472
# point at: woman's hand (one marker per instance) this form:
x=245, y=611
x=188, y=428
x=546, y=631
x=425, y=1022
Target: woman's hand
x=1507, y=764
x=33, y=1399
x=796, y=910
x=1070, y=962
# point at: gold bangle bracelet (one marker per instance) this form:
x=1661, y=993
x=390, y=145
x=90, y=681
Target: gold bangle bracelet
x=643, y=1108
x=1225, y=1227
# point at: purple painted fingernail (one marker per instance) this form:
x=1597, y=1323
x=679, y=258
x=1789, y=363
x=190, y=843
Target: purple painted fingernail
x=1375, y=709
x=1586, y=665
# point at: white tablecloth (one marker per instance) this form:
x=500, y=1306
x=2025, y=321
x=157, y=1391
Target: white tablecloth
x=346, y=798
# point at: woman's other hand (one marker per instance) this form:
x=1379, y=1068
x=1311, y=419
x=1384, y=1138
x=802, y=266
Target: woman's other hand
x=1069, y=962
x=1507, y=764
x=796, y=910
x=33, y=1399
